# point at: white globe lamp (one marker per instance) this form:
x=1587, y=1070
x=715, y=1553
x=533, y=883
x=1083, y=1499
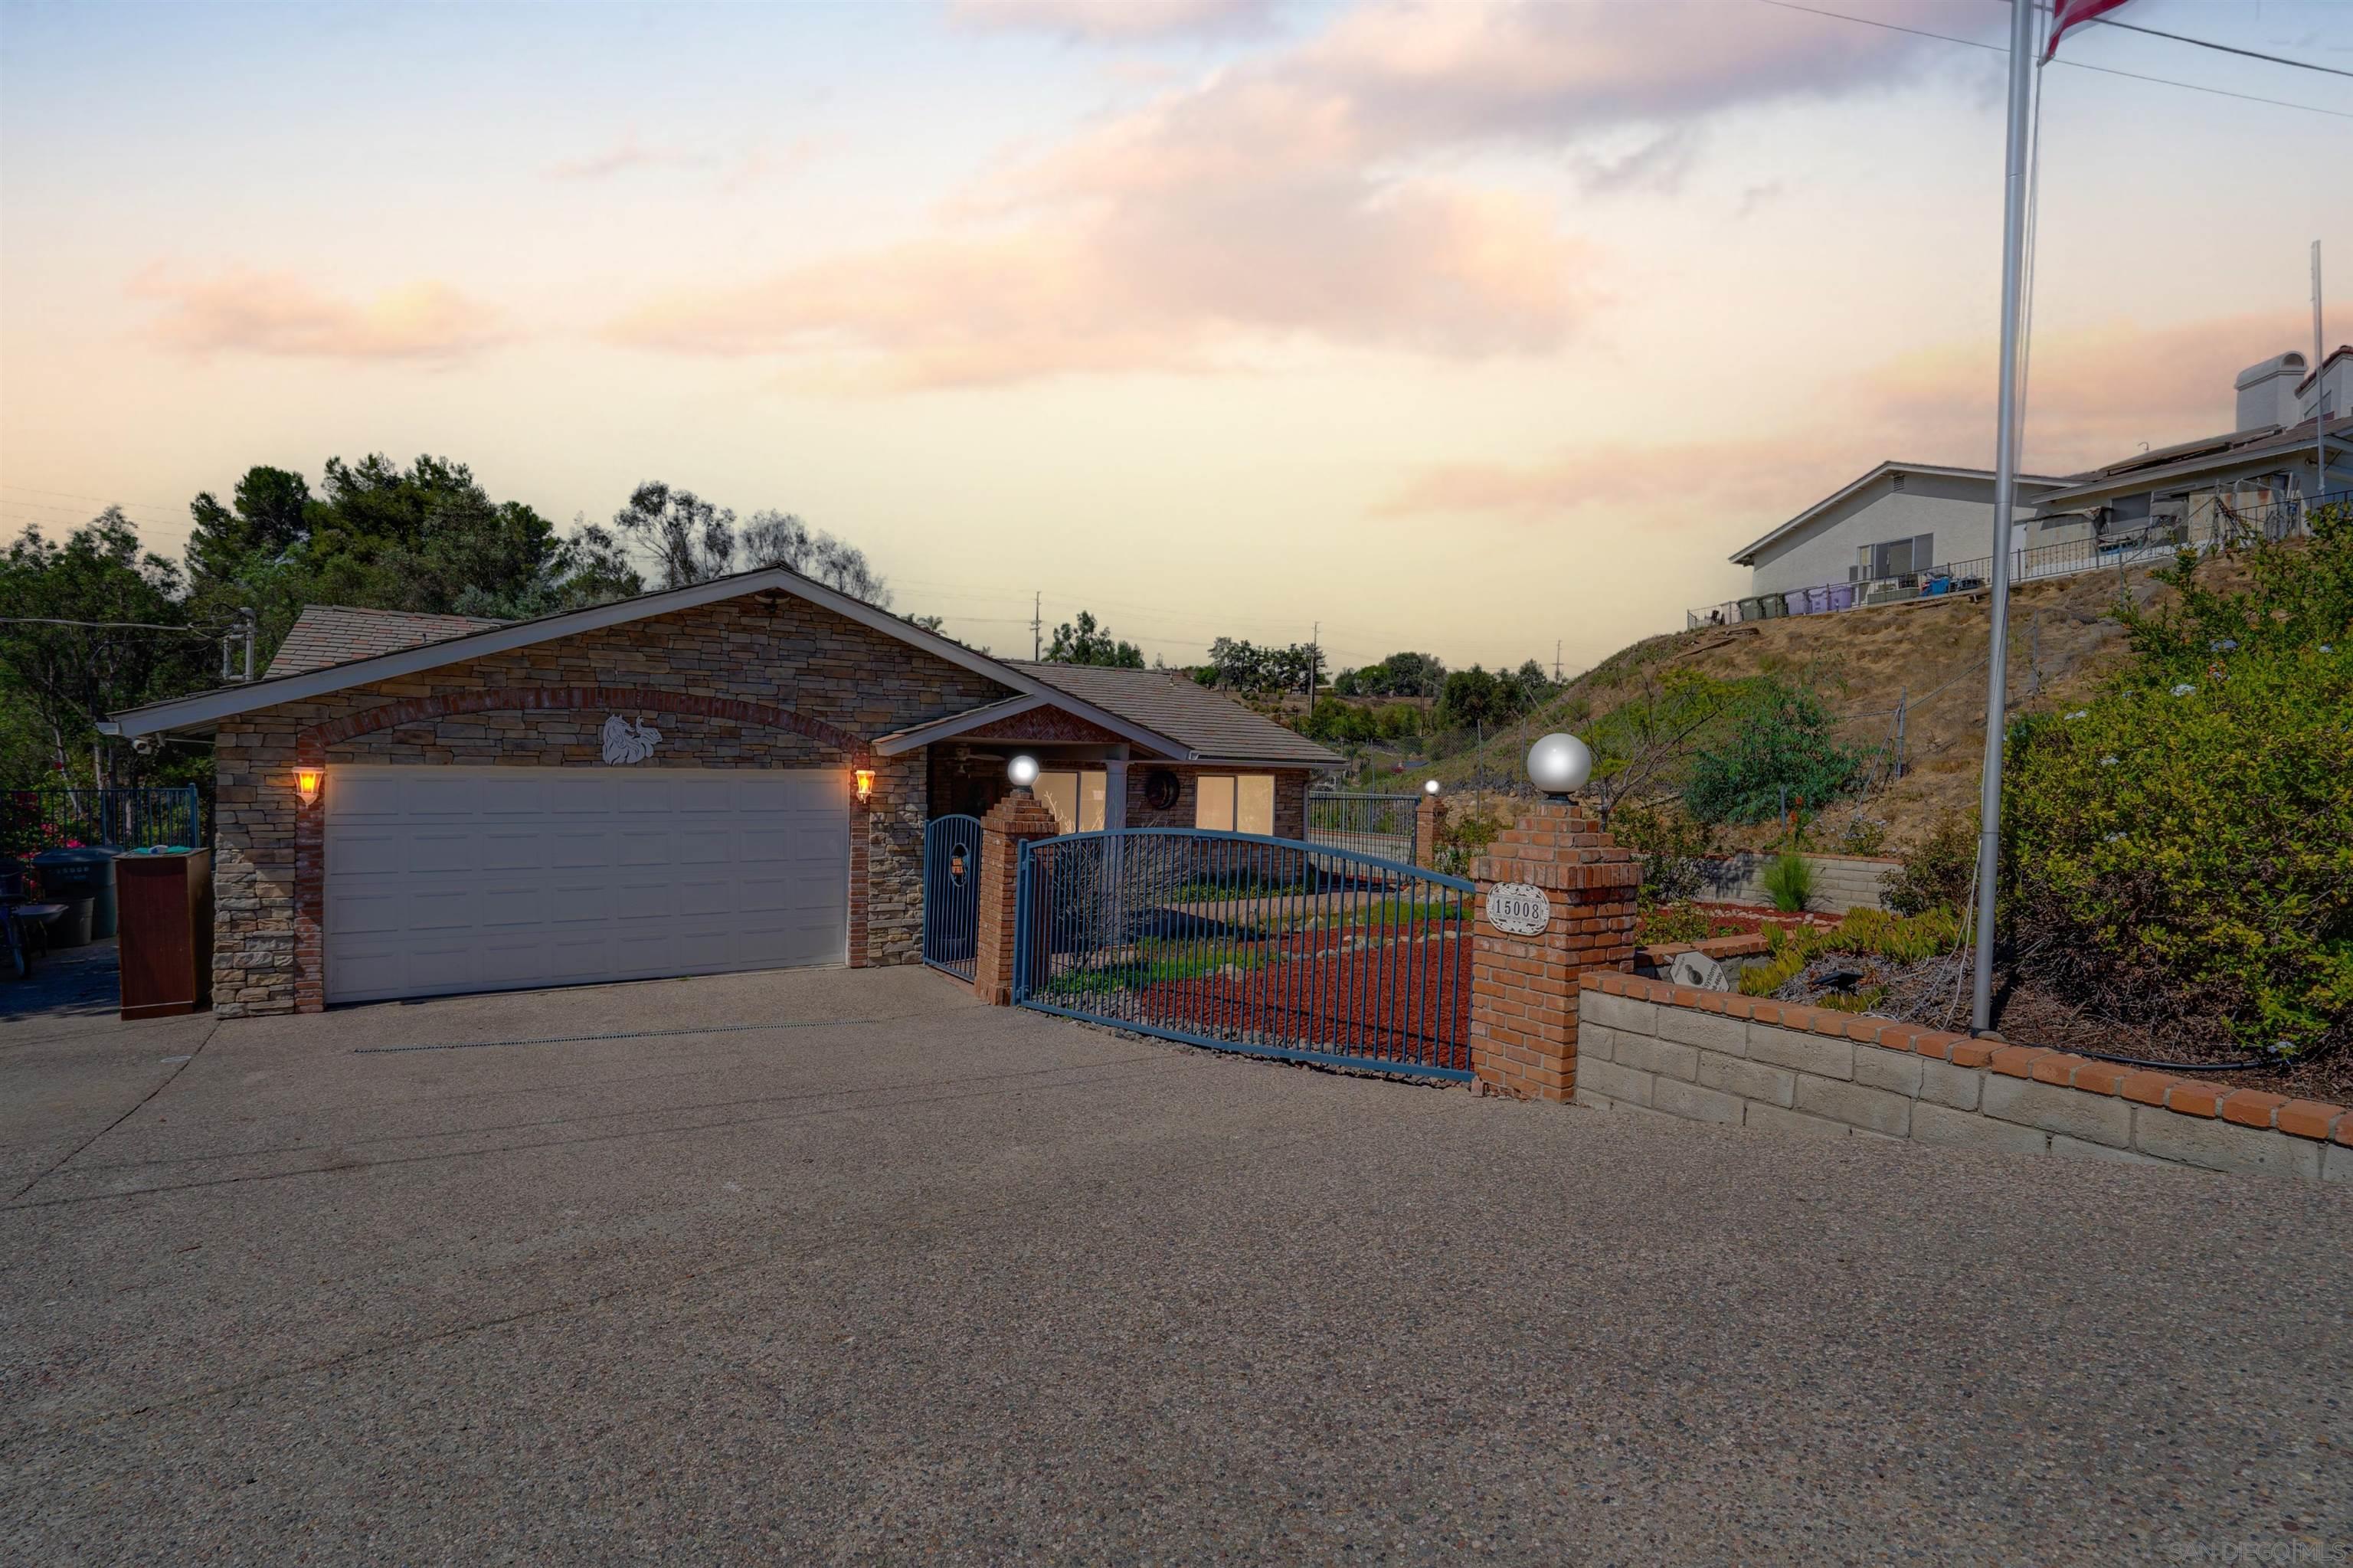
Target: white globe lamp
x=1022, y=771
x=1559, y=764
x=1429, y=787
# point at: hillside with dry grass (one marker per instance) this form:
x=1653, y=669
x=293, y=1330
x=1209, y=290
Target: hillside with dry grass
x=1924, y=660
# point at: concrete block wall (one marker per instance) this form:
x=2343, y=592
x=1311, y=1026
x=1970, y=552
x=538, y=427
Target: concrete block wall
x=1748, y=1062
x=1842, y=881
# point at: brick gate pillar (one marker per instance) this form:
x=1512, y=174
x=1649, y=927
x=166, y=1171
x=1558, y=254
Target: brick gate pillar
x=1010, y=824
x=1524, y=970
x=1428, y=828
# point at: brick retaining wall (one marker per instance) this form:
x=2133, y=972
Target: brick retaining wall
x=1741, y=1060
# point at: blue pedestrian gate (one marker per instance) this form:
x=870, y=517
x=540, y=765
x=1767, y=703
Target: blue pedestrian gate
x=1273, y=946
x=952, y=894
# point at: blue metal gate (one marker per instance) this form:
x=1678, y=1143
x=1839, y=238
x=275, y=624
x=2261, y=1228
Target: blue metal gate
x=952, y=894
x=1275, y=947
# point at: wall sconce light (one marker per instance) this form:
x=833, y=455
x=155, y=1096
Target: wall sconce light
x=1022, y=771
x=308, y=782
x=864, y=778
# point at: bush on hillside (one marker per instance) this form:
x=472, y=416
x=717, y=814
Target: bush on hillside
x=2191, y=845
x=2184, y=843
x=1779, y=748
x=1935, y=873
x=1674, y=848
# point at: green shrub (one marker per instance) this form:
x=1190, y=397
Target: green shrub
x=1674, y=848
x=1935, y=873
x=1463, y=840
x=1779, y=749
x=1790, y=881
x=1863, y=835
x=1678, y=923
x=2185, y=843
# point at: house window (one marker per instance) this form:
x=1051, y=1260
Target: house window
x=1901, y=557
x=1235, y=803
x=1075, y=798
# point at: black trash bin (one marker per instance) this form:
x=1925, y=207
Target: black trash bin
x=71, y=875
x=70, y=929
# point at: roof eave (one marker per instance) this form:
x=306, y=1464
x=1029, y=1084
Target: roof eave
x=208, y=708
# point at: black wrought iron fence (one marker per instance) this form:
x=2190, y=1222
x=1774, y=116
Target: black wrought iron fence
x=140, y=818
x=1372, y=824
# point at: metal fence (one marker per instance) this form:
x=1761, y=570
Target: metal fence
x=143, y=818
x=1273, y=946
x=1381, y=825
x=2210, y=528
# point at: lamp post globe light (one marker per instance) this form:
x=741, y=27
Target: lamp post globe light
x=1022, y=771
x=1559, y=764
x=1430, y=786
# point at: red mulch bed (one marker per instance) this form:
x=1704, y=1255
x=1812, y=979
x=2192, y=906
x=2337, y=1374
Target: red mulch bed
x=1404, y=1001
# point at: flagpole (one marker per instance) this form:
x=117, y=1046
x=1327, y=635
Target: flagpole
x=2005, y=507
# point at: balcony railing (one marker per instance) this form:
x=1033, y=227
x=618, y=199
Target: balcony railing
x=2159, y=539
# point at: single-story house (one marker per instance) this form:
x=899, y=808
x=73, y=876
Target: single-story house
x=1885, y=530
x=1897, y=520
x=735, y=775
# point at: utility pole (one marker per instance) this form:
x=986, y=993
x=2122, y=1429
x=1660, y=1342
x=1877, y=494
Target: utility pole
x=2022, y=20
x=2320, y=389
x=1037, y=628
x=1556, y=660
x=1315, y=664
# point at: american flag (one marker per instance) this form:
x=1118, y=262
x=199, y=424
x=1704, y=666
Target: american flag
x=2066, y=14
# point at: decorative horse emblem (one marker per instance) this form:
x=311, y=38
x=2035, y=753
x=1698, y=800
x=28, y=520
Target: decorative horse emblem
x=626, y=742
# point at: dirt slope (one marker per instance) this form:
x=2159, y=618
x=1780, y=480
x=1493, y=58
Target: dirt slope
x=1926, y=657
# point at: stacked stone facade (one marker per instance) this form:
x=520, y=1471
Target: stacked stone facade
x=762, y=681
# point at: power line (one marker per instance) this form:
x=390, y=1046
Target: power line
x=2226, y=48
x=2074, y=65
x=76, y=495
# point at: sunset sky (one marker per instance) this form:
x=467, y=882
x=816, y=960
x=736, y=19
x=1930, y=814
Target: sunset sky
x=1453, y=326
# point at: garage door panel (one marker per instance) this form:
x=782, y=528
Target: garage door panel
x=449, y=879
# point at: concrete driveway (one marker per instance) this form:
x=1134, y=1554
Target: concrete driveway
x=835, y=1266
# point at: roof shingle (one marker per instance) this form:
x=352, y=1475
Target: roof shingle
x=1172, y=704
x=329, y=634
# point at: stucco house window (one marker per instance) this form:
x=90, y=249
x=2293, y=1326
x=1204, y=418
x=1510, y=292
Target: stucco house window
x=1235, y=803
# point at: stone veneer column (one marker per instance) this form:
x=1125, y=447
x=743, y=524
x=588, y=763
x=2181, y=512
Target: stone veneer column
x=1013, y=821
x=1428, y=828
x=1524, y=989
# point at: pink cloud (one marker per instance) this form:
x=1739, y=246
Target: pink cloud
x=248, y=312
x=2095, y=394
x=1289, y=199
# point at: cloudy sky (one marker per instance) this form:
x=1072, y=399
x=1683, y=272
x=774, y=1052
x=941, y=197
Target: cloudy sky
x=1469, y=327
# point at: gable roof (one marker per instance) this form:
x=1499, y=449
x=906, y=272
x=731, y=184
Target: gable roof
x=1746, y=554
x=325, y=635
x=1210, y=725
x=343, y=647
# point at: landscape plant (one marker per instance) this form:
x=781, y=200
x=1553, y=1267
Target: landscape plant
x=1790, y=882
x=1935, y=871
x=1778, y=753
x=2183, y=842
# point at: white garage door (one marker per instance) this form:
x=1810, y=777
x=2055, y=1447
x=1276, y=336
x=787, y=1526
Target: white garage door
x=458, y=879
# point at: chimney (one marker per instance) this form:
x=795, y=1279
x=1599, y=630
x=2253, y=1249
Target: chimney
x=2267, y=391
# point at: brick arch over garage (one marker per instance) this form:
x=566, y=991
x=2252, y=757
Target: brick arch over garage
x=310, y=749
x=311, y=744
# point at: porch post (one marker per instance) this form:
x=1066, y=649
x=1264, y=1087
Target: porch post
x=1568, y=905
x=1428, y=828
x=1013, y=821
